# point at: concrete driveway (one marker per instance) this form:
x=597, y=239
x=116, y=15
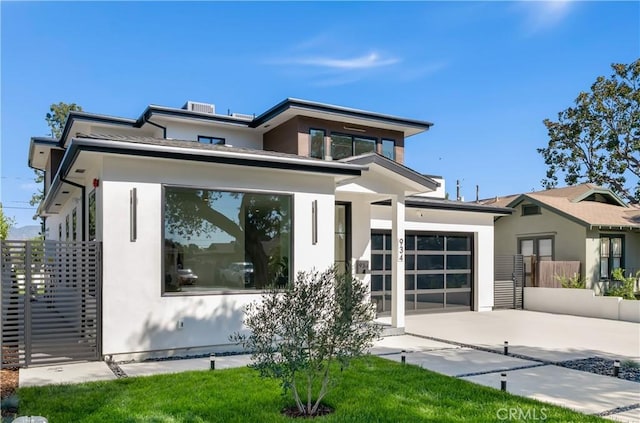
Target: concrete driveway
x=544, y=336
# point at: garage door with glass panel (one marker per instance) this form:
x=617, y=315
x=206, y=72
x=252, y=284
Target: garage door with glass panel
x=438, y=271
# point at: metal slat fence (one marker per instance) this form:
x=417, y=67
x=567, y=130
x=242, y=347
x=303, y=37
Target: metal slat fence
x=508, y=282
x=50, y=302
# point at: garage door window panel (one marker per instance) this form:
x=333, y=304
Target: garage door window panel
x=438, y=270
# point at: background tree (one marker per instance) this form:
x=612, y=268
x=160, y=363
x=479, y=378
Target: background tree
x=598, y=140
x=6, y=223
x=56, y=118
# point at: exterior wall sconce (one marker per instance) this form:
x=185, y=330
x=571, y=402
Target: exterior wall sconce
x=314, y=222
x=133, y=215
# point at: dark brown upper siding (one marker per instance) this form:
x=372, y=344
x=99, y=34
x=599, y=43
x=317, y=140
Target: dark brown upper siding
x=283, y=138
x=53, y=164
x=293, y=136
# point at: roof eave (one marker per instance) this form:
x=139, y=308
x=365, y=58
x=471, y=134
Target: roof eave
x=173, y=112
x=390, y=165
x=92, y=117
x=288, y=103
x=424, y=203
x=51, y=142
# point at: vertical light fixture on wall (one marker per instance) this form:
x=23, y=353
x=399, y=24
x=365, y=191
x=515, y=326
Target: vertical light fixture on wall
x=314, y=222
x=133, y=215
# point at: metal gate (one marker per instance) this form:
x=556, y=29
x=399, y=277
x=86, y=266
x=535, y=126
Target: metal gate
x=508, y=282
x=50, y=302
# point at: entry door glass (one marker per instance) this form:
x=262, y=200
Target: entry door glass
x=342, y=237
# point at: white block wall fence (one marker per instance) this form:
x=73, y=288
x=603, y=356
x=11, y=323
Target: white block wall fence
x=581, y=302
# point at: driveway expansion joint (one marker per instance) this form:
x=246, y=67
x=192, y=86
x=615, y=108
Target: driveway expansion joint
x=485, y=349
x=510, y=369
x=398, y=352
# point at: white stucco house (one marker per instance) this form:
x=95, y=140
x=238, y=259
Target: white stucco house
x=197, y=211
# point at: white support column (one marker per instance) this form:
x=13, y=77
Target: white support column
x=397, y=260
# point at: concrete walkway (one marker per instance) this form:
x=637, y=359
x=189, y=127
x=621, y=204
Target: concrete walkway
x=567, y=338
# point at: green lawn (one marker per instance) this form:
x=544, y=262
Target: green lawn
x=372, y=389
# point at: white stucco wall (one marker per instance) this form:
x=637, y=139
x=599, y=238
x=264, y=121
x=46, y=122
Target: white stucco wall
x=480, y=225
x=234, y=136
x=361, y=234
x=136, y=317
x=440, y=192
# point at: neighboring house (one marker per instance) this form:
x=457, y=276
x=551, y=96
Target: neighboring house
x=198, y=211
x=583, y=223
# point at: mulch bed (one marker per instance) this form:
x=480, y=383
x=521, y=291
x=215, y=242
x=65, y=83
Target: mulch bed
x=323, y=410
x=8, y=386
x=8, y=382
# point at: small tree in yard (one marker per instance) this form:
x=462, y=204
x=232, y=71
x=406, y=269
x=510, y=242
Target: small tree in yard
x=299, y=332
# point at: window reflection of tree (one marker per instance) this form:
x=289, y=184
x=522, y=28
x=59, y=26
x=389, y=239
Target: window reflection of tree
x=262, y=225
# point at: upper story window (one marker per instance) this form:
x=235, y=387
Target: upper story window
x=530, y=209
x=316, y=143
x=389, y=149
x=343, y=146
x=211, y=140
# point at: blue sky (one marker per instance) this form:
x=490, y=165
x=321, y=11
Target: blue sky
x=486, y=74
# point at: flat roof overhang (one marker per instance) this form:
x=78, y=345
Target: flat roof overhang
x=190, y=152
x=441, y=204
x=383, y=178
x=292, y=107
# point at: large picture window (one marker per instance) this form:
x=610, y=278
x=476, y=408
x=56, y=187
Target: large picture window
x=223, y=241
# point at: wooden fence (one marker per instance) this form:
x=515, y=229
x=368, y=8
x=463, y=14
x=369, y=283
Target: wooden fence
x=549, y=272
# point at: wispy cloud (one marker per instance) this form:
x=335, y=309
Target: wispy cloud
x=325, y=61
x=543, y=15
x=367, y=61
